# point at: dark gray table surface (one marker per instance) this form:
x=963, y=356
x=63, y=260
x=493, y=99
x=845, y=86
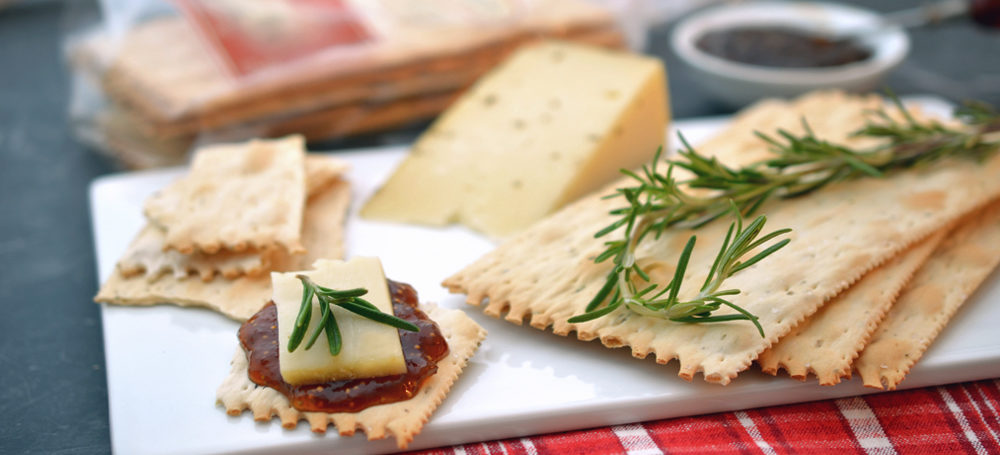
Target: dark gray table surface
x=53, y=391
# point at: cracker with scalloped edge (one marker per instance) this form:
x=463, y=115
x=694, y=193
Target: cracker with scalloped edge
x=956, y=268
x=147, y=255
x=827, y=343
x=240, y=298
x=235, y=197
x=402, y=420
x=546, y=274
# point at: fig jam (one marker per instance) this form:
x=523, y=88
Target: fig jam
x=781, y=47
x=423, y=349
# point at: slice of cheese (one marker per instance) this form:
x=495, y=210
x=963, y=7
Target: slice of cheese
x=554, y=122
x=369, y=348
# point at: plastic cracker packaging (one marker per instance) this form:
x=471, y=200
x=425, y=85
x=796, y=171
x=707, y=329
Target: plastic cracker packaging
x=157, y=78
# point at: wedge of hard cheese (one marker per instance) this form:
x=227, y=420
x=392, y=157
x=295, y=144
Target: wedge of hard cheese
x=552, y=123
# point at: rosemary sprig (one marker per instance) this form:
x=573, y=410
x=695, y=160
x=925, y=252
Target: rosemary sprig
x=802, y=164
x=666, y=304
x=349, y=300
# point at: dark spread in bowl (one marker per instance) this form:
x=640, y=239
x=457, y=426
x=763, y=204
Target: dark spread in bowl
x=781, y=47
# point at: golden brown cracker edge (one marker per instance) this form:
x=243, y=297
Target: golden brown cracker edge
x=146, y=256
x=402, y=420
x=955, y=269
x=827, y=343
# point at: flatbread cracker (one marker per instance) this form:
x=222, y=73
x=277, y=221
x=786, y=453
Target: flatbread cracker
x=322, y=235
x=402, y=420
x=841, y=232
x=322, y=170
x=828, y=342
x=956, y=268
x=236, y=197
x=147, y=255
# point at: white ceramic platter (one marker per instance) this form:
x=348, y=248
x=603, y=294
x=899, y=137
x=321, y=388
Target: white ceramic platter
x=164, y=362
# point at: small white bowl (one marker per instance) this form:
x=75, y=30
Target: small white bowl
x=739, y=84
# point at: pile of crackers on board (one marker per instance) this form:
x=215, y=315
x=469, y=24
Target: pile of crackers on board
x=157, y=101
x=242, y=211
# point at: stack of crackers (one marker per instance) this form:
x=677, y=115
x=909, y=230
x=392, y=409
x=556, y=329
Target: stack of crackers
x=874, y=270
x=161, y=99
x=243, y=210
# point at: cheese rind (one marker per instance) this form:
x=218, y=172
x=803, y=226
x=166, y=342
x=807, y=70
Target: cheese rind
x=369, y=348
x=554, y=122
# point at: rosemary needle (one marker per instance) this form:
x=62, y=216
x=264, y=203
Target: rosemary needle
x=802, y=164
x=349, y=300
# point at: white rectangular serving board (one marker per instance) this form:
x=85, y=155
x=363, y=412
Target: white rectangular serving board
x=164, y=362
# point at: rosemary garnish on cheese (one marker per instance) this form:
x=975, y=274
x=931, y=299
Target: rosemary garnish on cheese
x=349, y=300
x=802, y=164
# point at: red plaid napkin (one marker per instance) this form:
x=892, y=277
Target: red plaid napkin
x=958, y=418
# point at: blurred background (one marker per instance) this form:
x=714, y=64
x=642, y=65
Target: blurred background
x=85, y=94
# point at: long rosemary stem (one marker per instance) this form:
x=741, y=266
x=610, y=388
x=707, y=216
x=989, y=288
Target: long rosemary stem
x=802, y=164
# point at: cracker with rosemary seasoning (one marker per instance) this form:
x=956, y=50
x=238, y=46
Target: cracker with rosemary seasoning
x=322, y=236
x=236, y=197
x=147, y=254
x=824, y=345
x=839, y=232
x=955, y=269
x=402, y=420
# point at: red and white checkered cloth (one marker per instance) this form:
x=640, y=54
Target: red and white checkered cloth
x=951, y=419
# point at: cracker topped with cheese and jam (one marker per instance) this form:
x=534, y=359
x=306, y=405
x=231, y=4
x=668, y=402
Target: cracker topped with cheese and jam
x=383, y=380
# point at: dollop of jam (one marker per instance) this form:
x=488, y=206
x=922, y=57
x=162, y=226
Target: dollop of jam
x=423, y=350
x=781, y=47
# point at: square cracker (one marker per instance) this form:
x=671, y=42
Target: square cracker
x=402, y=419
x=236, y=197
x=956, y=268
x=839, y=233
x=322, y=235
x=828, y=342
x=148, y=256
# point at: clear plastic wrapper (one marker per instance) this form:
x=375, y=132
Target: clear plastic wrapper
x=155, y=78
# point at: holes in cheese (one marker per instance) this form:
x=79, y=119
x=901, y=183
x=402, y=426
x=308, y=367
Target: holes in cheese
x=369, y=348
x=552, y=123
